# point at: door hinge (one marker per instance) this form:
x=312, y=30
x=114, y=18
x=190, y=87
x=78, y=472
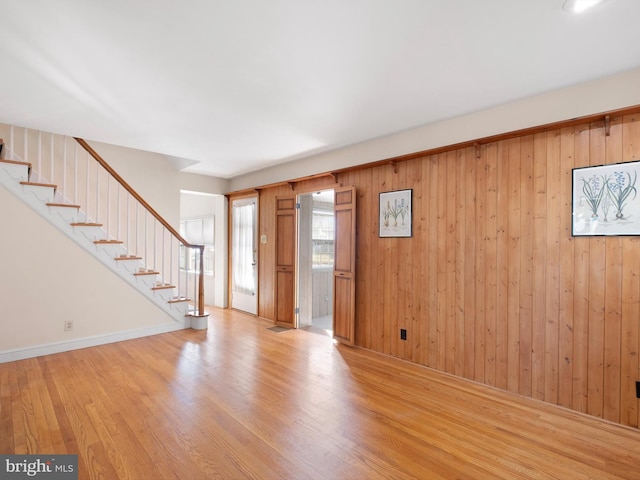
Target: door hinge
x=298, y=206
x=297, y=310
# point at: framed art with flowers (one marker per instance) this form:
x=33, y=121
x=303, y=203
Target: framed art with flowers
x=605, y=200
x=395, y=213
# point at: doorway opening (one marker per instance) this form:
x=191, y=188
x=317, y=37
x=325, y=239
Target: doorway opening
x=316, y=253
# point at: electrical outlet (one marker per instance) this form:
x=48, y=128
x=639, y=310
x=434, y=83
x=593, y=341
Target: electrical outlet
x=68, y=325
x=403, y=334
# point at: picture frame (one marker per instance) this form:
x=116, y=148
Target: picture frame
x=395, y=214
x=605, y=200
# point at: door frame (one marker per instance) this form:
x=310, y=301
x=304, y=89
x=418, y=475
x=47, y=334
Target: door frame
x=300, y=236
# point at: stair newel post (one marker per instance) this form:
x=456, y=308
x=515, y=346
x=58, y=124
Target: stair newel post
x=196, y=297
x=201, y=282
x=187, y=280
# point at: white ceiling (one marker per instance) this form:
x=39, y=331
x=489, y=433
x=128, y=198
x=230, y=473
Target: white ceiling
x=225, y=87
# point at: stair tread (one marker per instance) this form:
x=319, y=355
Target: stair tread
x=128, y=258
x=62, y=205
x=181, y=299
x=162, y=287
x=38, y=184
x=15, y=162
x=110, y=242
x=81, y=224
x=147, y=273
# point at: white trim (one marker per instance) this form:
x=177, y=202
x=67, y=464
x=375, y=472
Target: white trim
x=76, y=344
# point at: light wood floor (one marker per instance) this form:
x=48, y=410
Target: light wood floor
x=241, y=401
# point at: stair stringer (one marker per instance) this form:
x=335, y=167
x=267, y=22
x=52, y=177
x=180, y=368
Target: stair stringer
x=61, y=217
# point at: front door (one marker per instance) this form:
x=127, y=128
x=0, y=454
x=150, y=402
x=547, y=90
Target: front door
x=244, y=274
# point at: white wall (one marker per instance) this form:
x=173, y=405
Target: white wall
x=150, y=174
x=203, y=183
x=610, y=93
x=46, y=279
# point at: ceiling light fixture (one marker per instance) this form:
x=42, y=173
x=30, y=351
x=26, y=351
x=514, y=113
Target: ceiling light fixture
x=580, y=6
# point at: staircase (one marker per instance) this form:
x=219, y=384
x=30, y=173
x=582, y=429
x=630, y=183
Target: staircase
x=108, y=212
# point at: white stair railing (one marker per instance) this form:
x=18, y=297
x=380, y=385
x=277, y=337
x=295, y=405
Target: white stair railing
x=108, y=202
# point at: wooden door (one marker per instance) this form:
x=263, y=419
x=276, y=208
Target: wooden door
x=285, y=261
x=344, y=270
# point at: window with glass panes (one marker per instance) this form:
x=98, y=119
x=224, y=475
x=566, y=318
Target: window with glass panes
x=322, y=237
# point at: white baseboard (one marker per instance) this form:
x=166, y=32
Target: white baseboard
x=39, y=350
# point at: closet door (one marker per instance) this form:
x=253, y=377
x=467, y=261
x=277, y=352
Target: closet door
x=344, y=270
x=285, y=261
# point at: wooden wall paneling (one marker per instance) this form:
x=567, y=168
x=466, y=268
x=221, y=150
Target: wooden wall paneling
x=431, y=268
x=491, y=275
x=553, y=266
x=595, y=377
x=539, y=254
x=378, y=322
x=461, y=229
x=492, y=286
x=416, y=252
x=479, y=275
x=403, y=274
x=629, y=366
x=580, y=290
x=365, y=275
x=567, y=269
x=513, y=264
x=372, y=268
x=471, y=222
x=630, y=347
x=502, y=242
x=390, y=278
x=450, y=272
x=613, y=298
x=393, y=336
x=525, y=318
x=441, y=277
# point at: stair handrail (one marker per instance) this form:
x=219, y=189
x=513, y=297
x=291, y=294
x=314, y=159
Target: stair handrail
x=156, y=215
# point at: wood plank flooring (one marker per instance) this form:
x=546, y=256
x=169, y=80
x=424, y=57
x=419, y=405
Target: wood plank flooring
x=240, y=401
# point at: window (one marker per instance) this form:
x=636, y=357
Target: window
x=322, y=235
x=197, y=231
